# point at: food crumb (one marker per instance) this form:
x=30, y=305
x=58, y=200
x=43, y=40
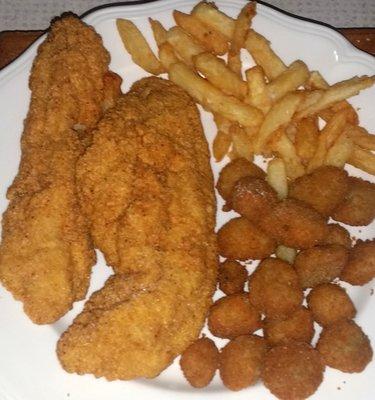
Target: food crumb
x=338, y=388
x=371, y=292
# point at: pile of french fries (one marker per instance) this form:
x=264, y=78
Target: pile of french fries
x=277, y=111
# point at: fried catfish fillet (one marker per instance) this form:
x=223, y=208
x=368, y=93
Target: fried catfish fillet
x=46, y=253
x=147, y=188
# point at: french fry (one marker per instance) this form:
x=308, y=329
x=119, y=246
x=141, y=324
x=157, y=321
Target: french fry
x=212, y=40
x=221, y=145
x=184, y=45
x=241, y=27
x=289, y=80
x=282, y=145
x=212, y=98
x=336, y=93
x=360, y=136
x=310, y=97
x=216, y=72
x=362, y=159
x=286, y=253
x=257, y=94
x=340, y=151
x=259, y=48
x=280, y=114
x=214, y=18
x=306, y=138
x=276, y=177
x=159, y=32
x=327, y=137
x=137, y=46
x=241, y=142
x=167, y=55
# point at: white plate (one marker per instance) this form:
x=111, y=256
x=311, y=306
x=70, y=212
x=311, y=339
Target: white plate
x=29, y=368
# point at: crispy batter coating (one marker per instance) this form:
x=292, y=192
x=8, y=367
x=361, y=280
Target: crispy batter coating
x=46, y=253
x=241, y=361
x=234, y=171
x=360, y=269
x=199, y=362
x=320, y=264
x=344, y=346
x=232, y=316
x=299, y=327
x=358, y=207
x=240, y=239
x=337, y=234
x=147, y=188
x=324, y=189
x=294, y=224
x=329, y=304
x=253, y=198
x=292, y=371
x=274, y=288
x=232, y=277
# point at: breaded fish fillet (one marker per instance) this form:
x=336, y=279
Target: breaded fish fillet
x=46, y=253
x=147, y=188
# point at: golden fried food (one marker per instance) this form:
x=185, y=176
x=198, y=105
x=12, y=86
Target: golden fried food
x=329, y=304
x=337, y=234
x=360, y=269
x=199, y=362
x=233, y=316
x=241, y=361
x=298, y=326
x=294, y=224
x=233, y=171
x=147, y=188
x=46, y=253
x=320, y=264
x=358, y=207
x=292, y=371
x=240, y=239
x=344, y=346
x=232, y=277
x=253, y=198
x=274, y=288
x=323, y=189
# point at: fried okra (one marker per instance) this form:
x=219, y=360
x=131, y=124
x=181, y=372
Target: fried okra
x=232, y=277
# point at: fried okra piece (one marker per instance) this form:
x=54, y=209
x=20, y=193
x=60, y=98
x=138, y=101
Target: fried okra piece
x=338, y=235
x=360, y=268
x=232, y=277
x=320, y=264
x=274, y=288
x=234, y=171
x=344, y=346
x=233, y=316
x=253, y=198
x=324, y=189
x=295, y=224
x=241, y=361
x=199, y=362
x=358, y=207
x=329, y=304
x=239, y=239
x=292, y=371
x=299, y=327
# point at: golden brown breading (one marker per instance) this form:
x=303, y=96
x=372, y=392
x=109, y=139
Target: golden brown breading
x=295, y=224
x=330, y=303
x=199, y=362
x=324, y=189
x=358, y=207
x=232, y=277
x=320, y=264
x=147, y=188
x=292, y=371
x=46, y=253
x=241, y=361
x=344, y=346
x=338, y=235
x=360, y=269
